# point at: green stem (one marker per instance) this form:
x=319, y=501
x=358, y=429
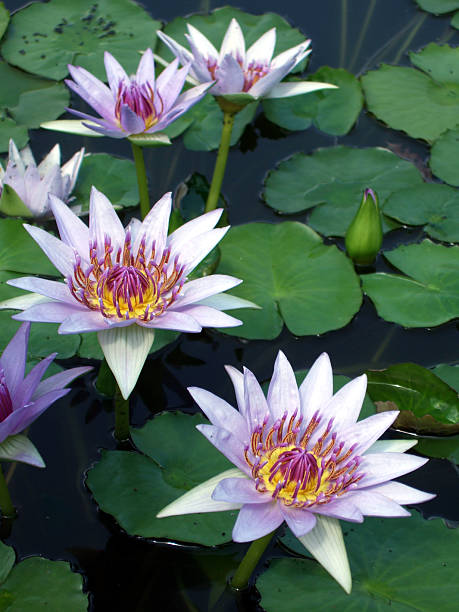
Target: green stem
x=242, y=575
x=407, y=41
x=6, y=505
x=141, y=179
x=220, y=164
x=121, y=417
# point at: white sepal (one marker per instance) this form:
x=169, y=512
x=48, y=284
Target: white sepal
x=71, y=126
x=225, y=301
x=20, y=448
x=391, y=446
x=286, y=90
x=22, y=302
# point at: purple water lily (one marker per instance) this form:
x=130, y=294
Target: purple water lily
x=302, y=458
x=24, y=399
x=138, y=104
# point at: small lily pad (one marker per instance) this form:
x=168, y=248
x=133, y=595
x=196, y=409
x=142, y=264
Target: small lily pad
x=428, y=295
x=430, y=204
x=333, y=111
x=335, y=178
x=45, y=37
x=443, y=157
x=438, y=6
x=293, y=276
x=398, y=564
x=135, y=487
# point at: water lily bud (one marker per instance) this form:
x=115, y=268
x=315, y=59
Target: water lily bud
x=364, y=235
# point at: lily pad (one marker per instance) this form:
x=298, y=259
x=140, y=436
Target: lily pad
x=430, y=204
x=336, y=177
x=401, y=564
x=293, y=276
x=20, y=253
x=438, y=6
x=45, y=37
x=90, y=347
x=443, y=157
x=115, y=177
x=428, y=295
x=333, y=111
x=4, y=18
x=392, y=92
x=7, y=558
x=135, y=487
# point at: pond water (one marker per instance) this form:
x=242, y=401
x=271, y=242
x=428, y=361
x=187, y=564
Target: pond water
x=57, y=516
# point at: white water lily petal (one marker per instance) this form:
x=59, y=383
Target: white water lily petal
x=391, y=446
x=20, y=448
x=126, y=349
x=22, y=302
x=199, y=498
x=287, y=90
x=71, y=126
x=225, y=301
x=326, y=544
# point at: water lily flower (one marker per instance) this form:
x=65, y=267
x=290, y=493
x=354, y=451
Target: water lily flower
x=134, y=105
x=126, y=283
x=32, y=184
x=24, y=399
x=254, y=72
x=301, y=457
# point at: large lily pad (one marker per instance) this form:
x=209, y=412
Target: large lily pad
x=293, y=276
x=428, y=295
x=333, y=111
x=45, y=37
x=443, y=157
x=398, y=564
x=393, y=92
x=336, y=178
x=430, y=204
x=20, y=253
x=134, y=487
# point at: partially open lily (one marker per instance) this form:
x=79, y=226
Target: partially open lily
x=301, y=457
x=25, y=187
x=126, y=283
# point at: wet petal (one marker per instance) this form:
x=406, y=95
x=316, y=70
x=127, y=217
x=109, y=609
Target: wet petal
x=220, y=413
x=201, y=288
x=381, y=467
x=316, y=390
x=227, y=444
x=254, y=399
x=240, y=491
x=72, y=230
x=283, y=391
x=115, y=73
x=59, y=381
x=210, y=317
x=237, y=378
x=366, y=432
x=402, y=493
x=155, y=225
x=14, y=357
x=299, y=520
x=146, y=69
x=256, y=520
x=371, y=503
x=103, y=221
x=60, y=254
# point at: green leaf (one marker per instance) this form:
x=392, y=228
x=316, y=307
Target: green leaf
x=20, y=253
x=443, y=156
x=430, y=204
x=11, y=204
x=392, y=92
x=428, y=295
x=333, y=111
x=7, y=558
x=134, y=487
x=115, y=177
x=293, y=276
x=336, y=178
x=438, y=6
x=90, y=348
x=4, y=19
x=399, y=564
x=45, y=37
x=38, y=583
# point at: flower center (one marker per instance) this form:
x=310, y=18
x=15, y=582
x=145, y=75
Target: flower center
x=140, y=99
x=286, y=463
x=6, y=405
x=127, y=285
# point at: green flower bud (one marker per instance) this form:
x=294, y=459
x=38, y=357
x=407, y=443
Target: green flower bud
x=364, y=235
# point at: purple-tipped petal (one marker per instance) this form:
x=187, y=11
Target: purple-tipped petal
x=60, y=254
x=237, y=378
x=49, y=312
x=203, y=44
x=146, y=68
x=93, y=91
x=155, y=225
x=220, y=413
x=193, y=252
x=115, y=72
x=230, y=77
x=178, y=321
x=233, y=44
x=317, y=388
x=283, y=390
x=103, y=221
x=23, y=394
x=201, y=288
x=402, y=493
x=341, y=509
x=13, y=358
x=299, y=520
x=83, y=321
x=191, y=229
x=371, y=503
x=170, y=93
x=59, y=381
x=239, y=491
x=52, y=289
x=364, y=433
x=227, y=444
x=381, y=467
x=210, y=317
x=345, y=405
x=184, y=56
x=256, y=520
x=254, y=399
x=130, y=121
x=72, y=230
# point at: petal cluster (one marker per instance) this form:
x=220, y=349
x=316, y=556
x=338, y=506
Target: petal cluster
x=33, y=184
x=135, y=104
x=236, y=70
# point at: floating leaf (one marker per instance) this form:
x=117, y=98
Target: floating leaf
x=45, y=37
x=134, y=487
x=431, y=204
x=438, y=6
x=336, y=178
x=20, y=253
x=398, y=564
x=4, y=19
x=428, y=295
x=423, y=103
x=7, y=558
x=293, y=276
x=332, y=111
x=443, y=157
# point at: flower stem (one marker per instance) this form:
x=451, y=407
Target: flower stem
x=121, y=417
x=220, y=164
x=242, y=575
x=141, y=179
x=6, y=505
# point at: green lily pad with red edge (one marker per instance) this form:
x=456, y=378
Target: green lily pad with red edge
x=134, y=487
x=292, y=276
x=44, y=37
x=438, y=6
x=443, y=157
x=429, y=293
x=333, y=111
x=397, y=564
x=427, y=404
x=433, y=205
x=432, y=88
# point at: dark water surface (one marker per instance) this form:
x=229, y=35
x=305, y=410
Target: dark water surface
x=57, y=517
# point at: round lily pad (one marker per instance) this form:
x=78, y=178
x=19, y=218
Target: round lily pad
x=438, y=6
x=44, y=37
x=428, y=295
x=293, y=276
x=336, y=178
x=443, y=157
x=135, y=487
x=392, y=92
x=398, y=564
x=333, y=111
x=430, y=204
